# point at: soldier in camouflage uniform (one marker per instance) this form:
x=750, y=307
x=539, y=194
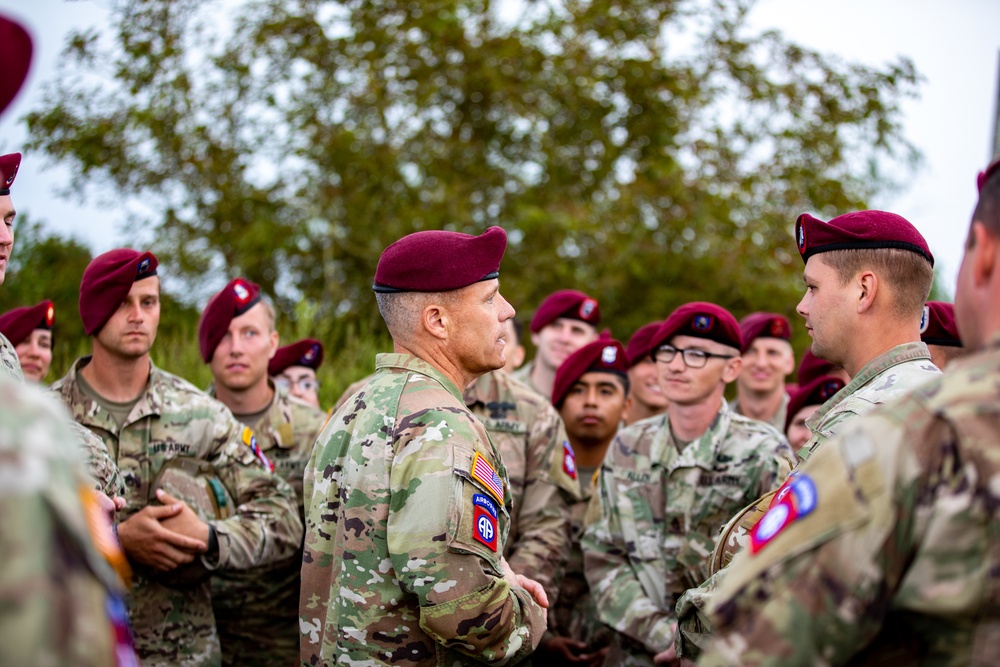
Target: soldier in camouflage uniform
x=767, y=358
x=884, y=550
x=645, y=398
x=161, y=428
x=564, y=322
x=407, y=499
x=877, y=344
x=591, y=391
x=293, y=368
x=257, y=611
x=29, y=330
x=668, y=484
x=9, y=365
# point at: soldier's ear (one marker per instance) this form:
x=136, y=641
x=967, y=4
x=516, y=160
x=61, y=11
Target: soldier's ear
x=984, y=264
x=732, y=369
x=435, y=321
x=868, y=285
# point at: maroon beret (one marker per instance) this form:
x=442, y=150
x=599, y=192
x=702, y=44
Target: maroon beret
x=15, y=54
x=817, y=392
x=985, y=175
x=237, y=297
x=8, y=171
x=858, y=230
x=937, y=325
x=306, y=352
x=566, y=303
x=701, y=320
x=812, y=367
x=440, y=261
x=640, y=345
x=17, y=324
x=602, y=356
x=106, y=282
x=764, y=325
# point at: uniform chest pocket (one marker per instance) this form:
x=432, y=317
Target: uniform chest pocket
x=641, y=505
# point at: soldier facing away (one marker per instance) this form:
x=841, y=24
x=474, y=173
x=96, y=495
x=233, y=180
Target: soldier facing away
x=407, y=499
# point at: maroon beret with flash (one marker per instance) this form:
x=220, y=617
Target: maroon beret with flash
x=307, y=352
x=106, y=282
x=817, y=392
x=15, y=55
x=237, y=297
x=640, y=345
x=764, y=325
x=985, y=175
x=857, y=231
x=566, y=303
x=8, y=171
x=602, y=356
x=701, y=320
x=440, y=261
x=17, y=324
x=937, y=325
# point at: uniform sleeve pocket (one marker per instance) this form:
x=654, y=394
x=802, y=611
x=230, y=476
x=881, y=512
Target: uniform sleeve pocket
x=478, y=521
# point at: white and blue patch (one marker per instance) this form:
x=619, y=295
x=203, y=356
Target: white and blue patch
x=609, y=355
x=486, y=503
x=143, y=267
x=925, y=318
x=805, y=494
x=702, y=322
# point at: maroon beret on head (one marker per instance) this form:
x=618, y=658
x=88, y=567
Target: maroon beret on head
x=17, y=324
x=764, y=325
x=640, y=345
x=817, y=392
x=566, y=303
x=15, y=56
x=601, y=356
x=985, y=175
x=306, y=352
x=237, y=297
x=440, y=261
x=106, y=282
x=8, y=171
x=937, y=325
x=701, y=320
x=856, y=231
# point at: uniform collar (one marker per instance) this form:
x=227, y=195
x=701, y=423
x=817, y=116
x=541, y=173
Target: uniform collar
x=411, y=363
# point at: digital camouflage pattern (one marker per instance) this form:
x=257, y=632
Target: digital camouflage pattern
x=530, y=437
x=257, y=611
x=397, y=565
x=898, y=563
x=886, y=378
x=778, y=420
x=55, y=584
x=10, y=365
x=172, y=617
x=660, y=511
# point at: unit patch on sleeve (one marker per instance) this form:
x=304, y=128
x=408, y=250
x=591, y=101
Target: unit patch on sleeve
x=795, y=500
x=484, y=520
x=250, y=440
x=569, y=460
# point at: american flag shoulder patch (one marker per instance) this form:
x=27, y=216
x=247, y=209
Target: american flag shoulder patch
x=484, y=473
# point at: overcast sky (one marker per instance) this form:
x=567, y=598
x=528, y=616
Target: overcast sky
x=955, y=45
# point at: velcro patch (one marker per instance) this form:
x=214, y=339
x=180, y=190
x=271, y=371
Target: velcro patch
x=796, y=499
x=484, y=473
x=250, y=440
x=484, y=520
x=569, y=460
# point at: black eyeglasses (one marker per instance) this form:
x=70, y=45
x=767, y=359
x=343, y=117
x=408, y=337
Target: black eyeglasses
x=692, y=358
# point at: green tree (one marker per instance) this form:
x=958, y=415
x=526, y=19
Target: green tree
x=647, y=152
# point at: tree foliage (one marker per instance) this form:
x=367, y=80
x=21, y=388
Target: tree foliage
x=648, y=152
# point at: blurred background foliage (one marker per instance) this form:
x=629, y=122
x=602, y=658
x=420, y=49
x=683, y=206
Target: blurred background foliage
x=648, y=153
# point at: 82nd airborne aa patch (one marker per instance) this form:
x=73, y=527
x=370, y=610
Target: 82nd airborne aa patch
x=795, y=499
x=484, y=520
x=569, y=460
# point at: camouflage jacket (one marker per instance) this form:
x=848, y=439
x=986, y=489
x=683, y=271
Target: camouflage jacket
x=56, y=587
x=531, y=439
x=885, y=378
x=891, y=557
x=257, y=611
x=660, y=512
x=523, y=375
x=173, y=419
x=10, y=365
x=778, y=420
x=407, y=511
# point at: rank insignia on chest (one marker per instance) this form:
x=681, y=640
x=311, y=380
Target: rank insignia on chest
x=250, y=440
x=794, y=500
x=484, y=520
x=484, y=473
x=569, y=460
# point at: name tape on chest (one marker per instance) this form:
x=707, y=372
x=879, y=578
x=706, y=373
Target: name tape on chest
x=484, y=473
x=250, y=440
x=484, y=521
x=795, y=499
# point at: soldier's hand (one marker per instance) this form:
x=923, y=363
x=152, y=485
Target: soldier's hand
x=668, y=657
x=566, y=651
x=185, y=522
x=535, y=589
x=147, y=542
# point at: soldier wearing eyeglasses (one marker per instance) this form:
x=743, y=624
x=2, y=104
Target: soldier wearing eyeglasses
x=668, y=484
x=293, y=367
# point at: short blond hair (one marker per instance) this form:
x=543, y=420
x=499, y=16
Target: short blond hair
x=908, y=275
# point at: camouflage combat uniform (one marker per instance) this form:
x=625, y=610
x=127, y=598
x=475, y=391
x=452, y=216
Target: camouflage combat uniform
x=10, y=365
x=407, y=510
x=257, y=611
x=885, y=378
x=172, y=419
x=897, y=560
x=778, y=420
x=56, y=588
x=530, y=436
x=523, y=375
x=660, y=512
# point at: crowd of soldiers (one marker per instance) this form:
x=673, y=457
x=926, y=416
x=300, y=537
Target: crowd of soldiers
x=603, y=504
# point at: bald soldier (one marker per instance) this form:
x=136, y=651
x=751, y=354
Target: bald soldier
x=884, y=551
x=407, y=499
x=668, y=484
x=170, y=439
x=564, y=322
x=767, y=359
x=257, y=611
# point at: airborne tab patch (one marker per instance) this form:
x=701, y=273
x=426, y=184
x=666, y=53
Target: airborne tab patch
x=484, y=473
